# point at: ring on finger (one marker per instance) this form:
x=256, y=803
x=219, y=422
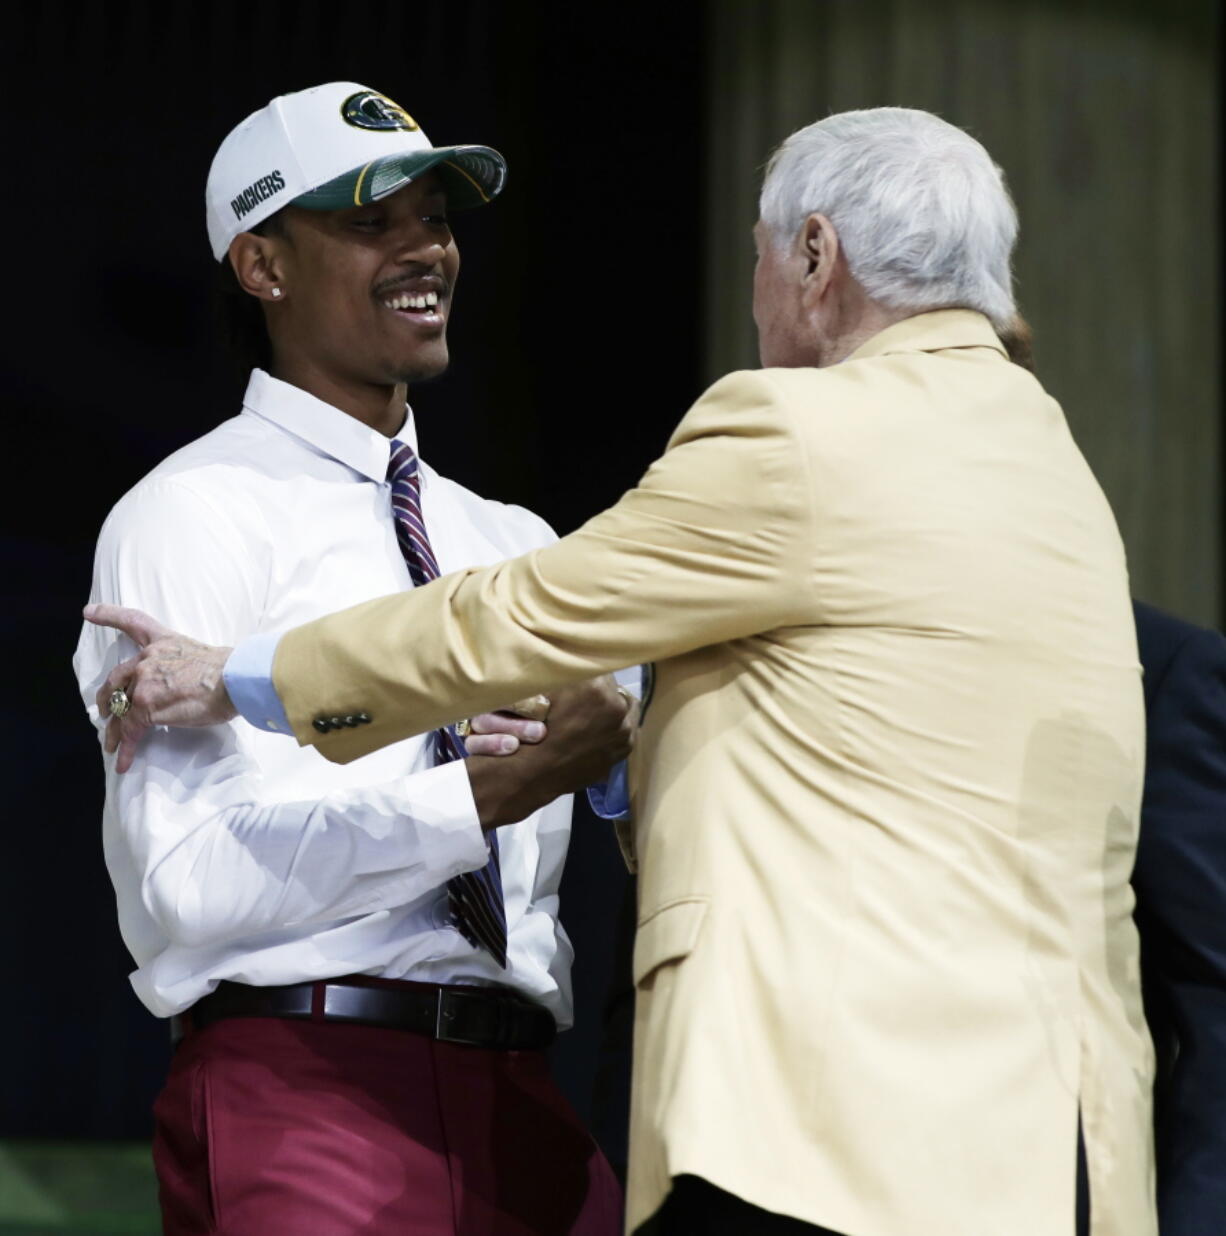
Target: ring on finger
x=628, y=696
x=463, y=728
x=120, y=702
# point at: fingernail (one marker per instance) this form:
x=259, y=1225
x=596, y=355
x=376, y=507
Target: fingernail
x=534, y=731
x=507, y=744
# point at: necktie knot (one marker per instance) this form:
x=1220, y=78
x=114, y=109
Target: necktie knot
x=402, y=463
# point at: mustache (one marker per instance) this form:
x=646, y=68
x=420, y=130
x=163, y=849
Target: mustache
x=425, y=280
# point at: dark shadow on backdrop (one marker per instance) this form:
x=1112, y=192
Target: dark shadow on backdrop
x=575, y=351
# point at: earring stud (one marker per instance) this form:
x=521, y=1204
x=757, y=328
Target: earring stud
x=276, y=292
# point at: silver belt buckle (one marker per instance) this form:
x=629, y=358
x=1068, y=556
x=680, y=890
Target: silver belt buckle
x=442, y=1015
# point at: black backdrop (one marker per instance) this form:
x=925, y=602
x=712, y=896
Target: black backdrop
x=574, y=345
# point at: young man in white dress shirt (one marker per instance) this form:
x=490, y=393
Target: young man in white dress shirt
x=361, y=1037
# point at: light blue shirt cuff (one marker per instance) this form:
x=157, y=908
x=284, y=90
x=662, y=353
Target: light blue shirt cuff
x=610, y=800
x=248, y=675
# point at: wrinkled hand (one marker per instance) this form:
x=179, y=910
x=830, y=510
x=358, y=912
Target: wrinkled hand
x=173, y=680
x=591, y=727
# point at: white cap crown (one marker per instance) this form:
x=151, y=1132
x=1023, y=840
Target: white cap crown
x=329, y=147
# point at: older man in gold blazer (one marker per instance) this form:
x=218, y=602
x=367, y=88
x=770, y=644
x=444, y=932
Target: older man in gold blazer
x=886, y=787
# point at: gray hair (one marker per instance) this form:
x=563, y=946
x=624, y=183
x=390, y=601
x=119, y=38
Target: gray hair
x=922, y=213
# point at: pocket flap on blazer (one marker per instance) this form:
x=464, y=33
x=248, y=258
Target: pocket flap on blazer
x=667, y=934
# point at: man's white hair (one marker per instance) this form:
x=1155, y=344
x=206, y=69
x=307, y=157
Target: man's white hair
x=922, y=213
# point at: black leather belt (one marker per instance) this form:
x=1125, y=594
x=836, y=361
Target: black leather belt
x=473, y=1016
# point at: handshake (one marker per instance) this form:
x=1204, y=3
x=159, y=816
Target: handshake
x=560, y=743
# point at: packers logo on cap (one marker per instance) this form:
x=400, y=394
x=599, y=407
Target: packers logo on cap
x=368, y=110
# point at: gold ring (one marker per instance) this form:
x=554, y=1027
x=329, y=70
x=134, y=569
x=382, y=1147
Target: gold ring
x=464, y=728
x=120, y=703
x=628, y=696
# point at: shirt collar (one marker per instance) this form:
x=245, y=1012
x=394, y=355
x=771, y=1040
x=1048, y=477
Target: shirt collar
x=932, y=332
x=320, y=425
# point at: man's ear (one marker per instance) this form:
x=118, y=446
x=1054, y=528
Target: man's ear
x=819, y=246
x=257, y=264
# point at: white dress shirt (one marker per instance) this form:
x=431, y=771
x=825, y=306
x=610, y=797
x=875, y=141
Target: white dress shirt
x=236, y=854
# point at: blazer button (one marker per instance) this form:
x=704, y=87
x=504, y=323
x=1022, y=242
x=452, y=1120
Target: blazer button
x=335, y=723
x=321, y=724
x=351, y=721
x=363, y=718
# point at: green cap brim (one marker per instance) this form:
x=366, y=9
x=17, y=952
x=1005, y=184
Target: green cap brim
x=472, y=176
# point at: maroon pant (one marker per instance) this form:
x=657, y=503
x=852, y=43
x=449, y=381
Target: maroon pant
x=274, y=1127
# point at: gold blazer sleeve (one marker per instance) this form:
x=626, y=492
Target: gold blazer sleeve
x=714, y=543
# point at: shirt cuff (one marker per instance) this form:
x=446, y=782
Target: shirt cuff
x=610, y=799
x=248, y=675
x=443, y=802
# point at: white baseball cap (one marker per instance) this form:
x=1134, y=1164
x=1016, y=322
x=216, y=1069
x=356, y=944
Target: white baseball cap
x=328, y=148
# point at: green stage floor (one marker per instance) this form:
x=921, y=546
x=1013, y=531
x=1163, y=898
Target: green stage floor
x=77, y=1188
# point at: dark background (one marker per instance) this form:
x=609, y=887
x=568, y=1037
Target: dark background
x=574, y=349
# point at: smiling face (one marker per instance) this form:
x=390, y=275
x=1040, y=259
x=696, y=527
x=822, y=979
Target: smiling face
x=364, y=294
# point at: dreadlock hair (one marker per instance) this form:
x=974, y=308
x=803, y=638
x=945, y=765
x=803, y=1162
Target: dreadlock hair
x=240, y=316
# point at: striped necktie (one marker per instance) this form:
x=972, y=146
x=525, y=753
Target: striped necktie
x=475, y=897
